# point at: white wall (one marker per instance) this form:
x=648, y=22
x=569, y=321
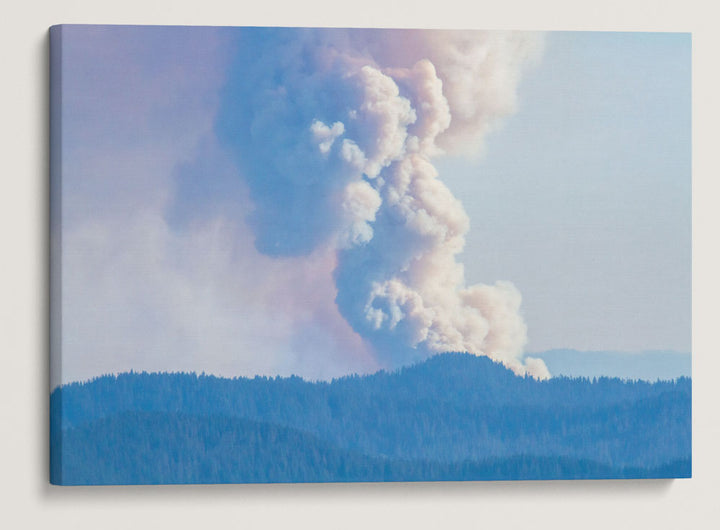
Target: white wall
x=27, y=501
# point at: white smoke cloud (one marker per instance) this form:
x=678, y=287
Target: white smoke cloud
x=361, y=203
x=305, y=230
x=395, y=100
x=536, y=368
x=326, y=135
x=480, y=71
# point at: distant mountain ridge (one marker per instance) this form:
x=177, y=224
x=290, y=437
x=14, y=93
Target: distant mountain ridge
x=650, y=365
x=452, y=417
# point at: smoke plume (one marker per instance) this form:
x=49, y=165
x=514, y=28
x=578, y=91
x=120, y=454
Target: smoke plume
x=334, y=132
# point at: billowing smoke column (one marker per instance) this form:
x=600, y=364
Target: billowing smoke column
x=335, y=131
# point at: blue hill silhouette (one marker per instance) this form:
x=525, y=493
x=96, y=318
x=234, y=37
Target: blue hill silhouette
x=452, y=417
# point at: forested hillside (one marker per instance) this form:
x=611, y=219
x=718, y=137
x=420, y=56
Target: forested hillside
x=453, y=417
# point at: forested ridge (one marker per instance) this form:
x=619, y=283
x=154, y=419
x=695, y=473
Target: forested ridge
x=452, y=417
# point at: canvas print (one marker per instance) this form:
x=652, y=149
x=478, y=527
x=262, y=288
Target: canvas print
x=332, y=255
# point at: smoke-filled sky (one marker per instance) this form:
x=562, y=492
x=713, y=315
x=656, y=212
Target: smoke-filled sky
x=321, y=202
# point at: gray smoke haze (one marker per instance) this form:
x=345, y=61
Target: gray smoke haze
x=334, y=132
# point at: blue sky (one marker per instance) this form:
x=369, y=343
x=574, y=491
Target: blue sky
x=583, y=197
x=249, y=202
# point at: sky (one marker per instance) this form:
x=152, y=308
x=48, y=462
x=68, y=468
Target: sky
x=243, y=202
x=584, y=199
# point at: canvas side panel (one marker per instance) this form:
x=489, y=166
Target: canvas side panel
x=55, y=316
